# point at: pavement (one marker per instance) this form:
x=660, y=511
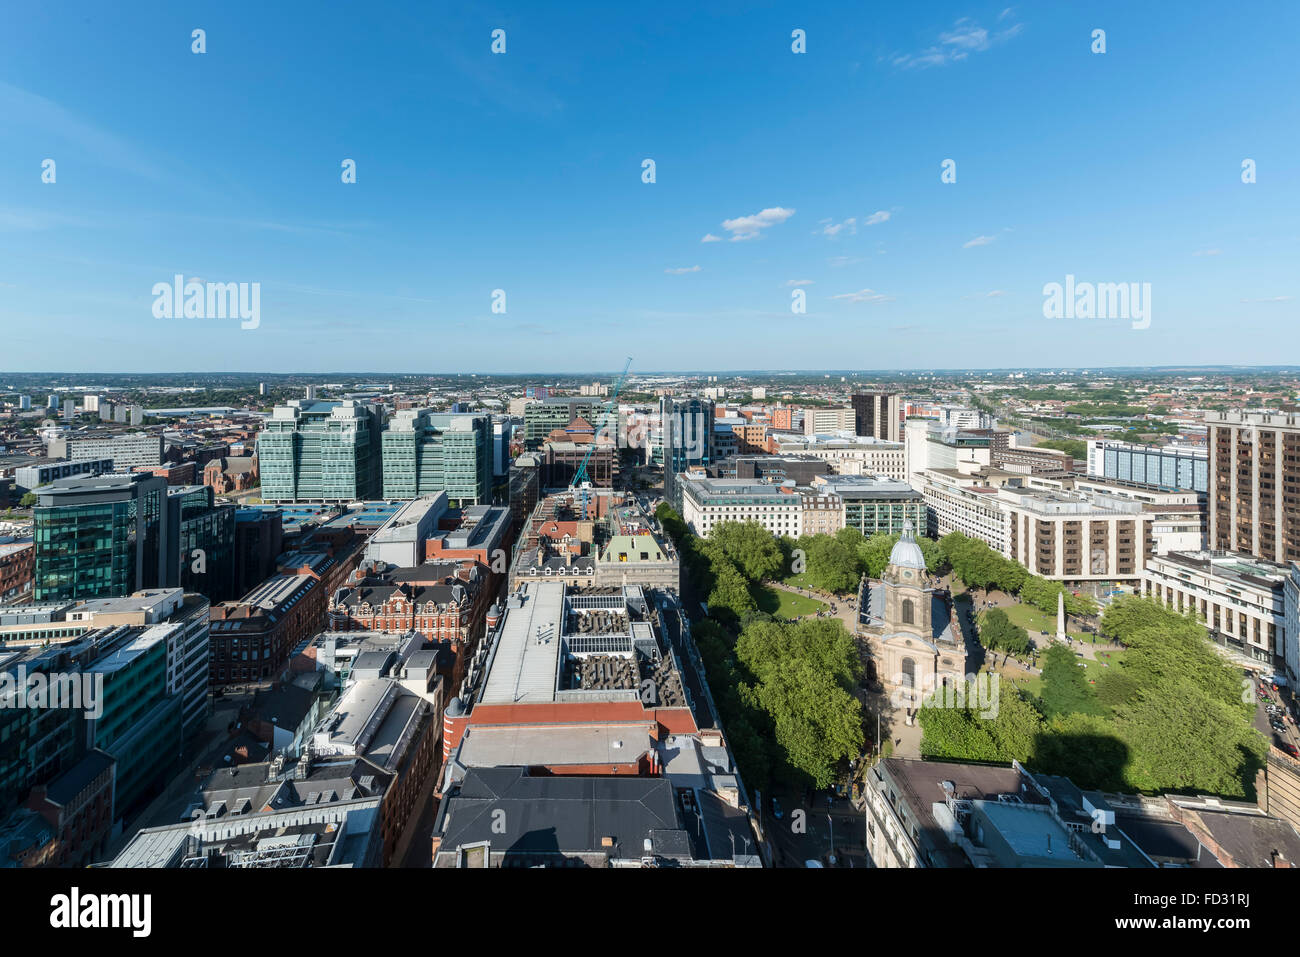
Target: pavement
x=1288, y=735
x=810, y=829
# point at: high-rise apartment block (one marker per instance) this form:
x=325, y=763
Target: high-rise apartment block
x=877, y=414
x=1255, y=483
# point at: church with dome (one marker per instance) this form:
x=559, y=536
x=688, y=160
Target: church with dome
x=911, y=629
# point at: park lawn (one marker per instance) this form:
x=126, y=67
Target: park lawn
x=797, y=581
x=1092, y=671
x=784, y=604
x=1035, y=622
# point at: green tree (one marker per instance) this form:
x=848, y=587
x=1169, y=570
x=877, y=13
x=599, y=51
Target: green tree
x=963, y=734
x=823, y=642
x=832, y=565
x=874, y=554
x=751, y=548
x=817, y=723
x=1065, y=687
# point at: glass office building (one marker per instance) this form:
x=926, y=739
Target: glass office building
x=202, y=554
x=321, y=452
x=425, y=452
x=100, y=537
x=1161, y=467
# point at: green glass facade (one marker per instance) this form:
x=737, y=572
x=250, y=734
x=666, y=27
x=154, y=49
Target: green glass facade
x=98, y=540
x=425, y=452
x=321, y=452
x=886, y=516
x=206, y=527
x=141, y=726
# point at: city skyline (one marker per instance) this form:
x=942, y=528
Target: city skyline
x=523, y=172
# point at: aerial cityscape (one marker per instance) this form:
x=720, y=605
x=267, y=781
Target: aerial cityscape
x=777, y=439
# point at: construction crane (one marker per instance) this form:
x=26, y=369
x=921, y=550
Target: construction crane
x=580, y=480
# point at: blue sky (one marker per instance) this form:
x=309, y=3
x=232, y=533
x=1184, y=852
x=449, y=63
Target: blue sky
x=523, y=172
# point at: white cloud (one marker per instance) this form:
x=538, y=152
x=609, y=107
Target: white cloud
x=710, y=238
x=965, y=37
x=966, y=34
x=837, y=261
x=751, y=227
x=978, y=241
x=1270, y=299
x=864, y=295
x=681, y=270
x=876, y=218
x=798, y=282
x=834, y=229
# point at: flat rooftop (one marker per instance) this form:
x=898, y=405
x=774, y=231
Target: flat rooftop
x=526, y=660
x=570, y=744
x=1237, y=566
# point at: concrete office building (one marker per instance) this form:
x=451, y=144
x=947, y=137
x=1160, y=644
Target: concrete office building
x=872, y=504
x=400, y=541
x=1242, y=600
x=1072, y=537
x=31, y=477
x=1291, y=623
x=1179, y=517
x=179, y=617
x=850, y=456
x=962, y=815
x=965, y=503
x=321, y=452
x=1255, y=483
x=829, y=420
x=708, y=502
x=126, y=450
x=876, y=414
x=426, y=452
x=545, y=416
